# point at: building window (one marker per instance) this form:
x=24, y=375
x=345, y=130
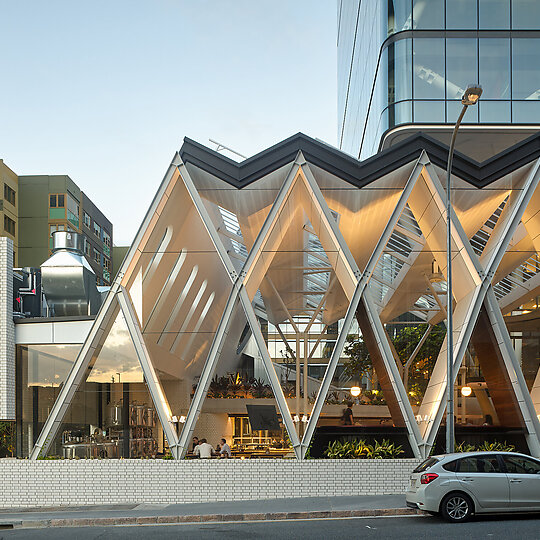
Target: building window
x=97, y=230
x=9, y=225
x=106, y=243
x=57, y=200
x=54, y=228
x=57, y=206
x=9, y=194
x=87, y=247
x=73, y=211
x=97, y=256
x=106, y=263
x=86, y=219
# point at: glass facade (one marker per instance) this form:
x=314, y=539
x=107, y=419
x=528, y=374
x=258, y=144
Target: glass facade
x=414, y=65
x=260, y=365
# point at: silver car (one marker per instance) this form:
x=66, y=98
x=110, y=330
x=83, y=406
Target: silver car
x=460, y=485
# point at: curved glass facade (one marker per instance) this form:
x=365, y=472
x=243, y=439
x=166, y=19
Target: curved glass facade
x=414, y=64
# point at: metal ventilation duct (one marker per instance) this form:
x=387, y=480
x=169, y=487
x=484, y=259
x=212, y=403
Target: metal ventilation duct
x=68, y=281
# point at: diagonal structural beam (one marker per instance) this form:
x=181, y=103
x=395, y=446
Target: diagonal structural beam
x=354, y=301
x=491, y=361
x=330, y=370
x=387, y=371
x=270, y=371
x=468, y=307
x=93, y=343
x=515, y=375
x=152, y=381
x=207, y=374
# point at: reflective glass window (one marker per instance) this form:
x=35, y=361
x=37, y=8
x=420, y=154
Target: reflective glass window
x=383, y=125
x=461, y=66
x=494, y=14
x=428, y=14
x=526, y=112
x=479, y=464
x=495, y=68
x=494, y=112
x=525, y=72
x=399, y=15
x=521, y=465
x=461, y=14
x=402, y=113
x=526, y=14
x=429, y=68
x=429, y=112
x=453, y=109
x=399, y=70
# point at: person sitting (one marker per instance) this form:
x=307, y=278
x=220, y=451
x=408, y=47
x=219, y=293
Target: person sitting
x=348, y=419
x=225, y=449
x=195, y=443
x=203, y=450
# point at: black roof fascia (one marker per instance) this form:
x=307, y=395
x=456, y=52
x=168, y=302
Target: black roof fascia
x=358, y=173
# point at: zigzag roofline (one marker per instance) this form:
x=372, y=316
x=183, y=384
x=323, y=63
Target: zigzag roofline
x=358, y=173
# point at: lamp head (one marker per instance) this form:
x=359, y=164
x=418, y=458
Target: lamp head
x=472, y=94
x=355, y=391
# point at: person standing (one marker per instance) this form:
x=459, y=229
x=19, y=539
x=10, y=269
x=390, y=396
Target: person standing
x=225, y=449
x=348, y=419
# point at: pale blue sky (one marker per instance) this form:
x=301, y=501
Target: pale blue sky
x=105, y=91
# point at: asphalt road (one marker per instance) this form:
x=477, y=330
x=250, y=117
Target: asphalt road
x=522, y=527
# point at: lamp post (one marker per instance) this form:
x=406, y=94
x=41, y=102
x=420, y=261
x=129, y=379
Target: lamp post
x=470, y=97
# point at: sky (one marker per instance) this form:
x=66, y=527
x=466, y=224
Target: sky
x=105, y=91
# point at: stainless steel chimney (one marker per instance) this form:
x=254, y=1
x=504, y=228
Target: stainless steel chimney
x=68, y=281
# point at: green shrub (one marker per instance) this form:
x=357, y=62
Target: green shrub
x=486, y=446
x=356, y=449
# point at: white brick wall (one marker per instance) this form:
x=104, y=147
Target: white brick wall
x=79, y=482
x=7, y=332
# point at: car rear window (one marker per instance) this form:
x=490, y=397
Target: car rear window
x=425, y=465
x=450, y=465
x=479, y=464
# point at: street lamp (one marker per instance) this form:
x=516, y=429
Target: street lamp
x=470, y=97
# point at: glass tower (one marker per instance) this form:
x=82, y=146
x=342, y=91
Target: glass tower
x=403, y=66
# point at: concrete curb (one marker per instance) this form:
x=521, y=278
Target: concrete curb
x=205, y=518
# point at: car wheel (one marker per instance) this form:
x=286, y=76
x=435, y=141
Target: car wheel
x=456, y=507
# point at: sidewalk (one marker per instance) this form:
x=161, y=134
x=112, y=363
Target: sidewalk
x=146, y=514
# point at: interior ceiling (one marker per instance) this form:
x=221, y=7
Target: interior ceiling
x=361, y=215
x=183, y=285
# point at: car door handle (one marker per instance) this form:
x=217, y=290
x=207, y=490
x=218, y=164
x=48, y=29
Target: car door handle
x=467, y=479
x=515, y=481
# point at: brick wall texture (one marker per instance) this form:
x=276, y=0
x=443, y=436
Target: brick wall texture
x=7, y=332
x=88, y=482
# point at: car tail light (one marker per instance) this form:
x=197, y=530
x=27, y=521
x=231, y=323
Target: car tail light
x=428, y=477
